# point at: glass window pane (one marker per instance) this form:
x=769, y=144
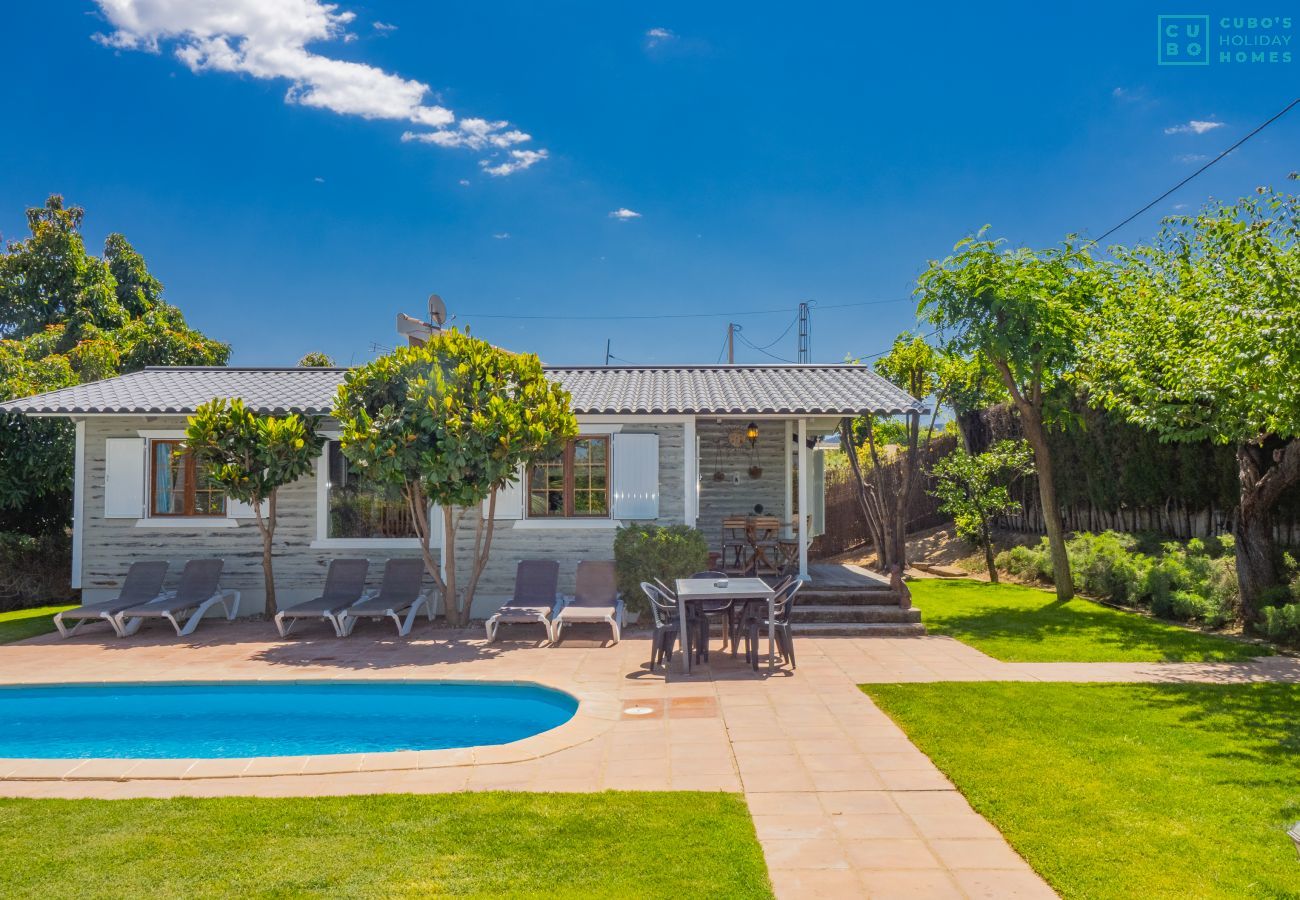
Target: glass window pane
x=358, y=508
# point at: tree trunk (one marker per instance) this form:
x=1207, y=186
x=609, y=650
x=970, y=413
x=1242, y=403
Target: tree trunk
x=450, y=602
x=1031, y=420
x=267, y=528
x=986, y=538
x=1262, y=482
x=482, y=549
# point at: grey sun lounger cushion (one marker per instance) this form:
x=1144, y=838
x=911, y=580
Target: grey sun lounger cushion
x=595, y=598
x=199, y=590
x=345, y=583
x=399, y=592
x=144, y=581
x=536, y=588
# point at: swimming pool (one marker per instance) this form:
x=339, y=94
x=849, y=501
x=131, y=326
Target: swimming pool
x=238, y=719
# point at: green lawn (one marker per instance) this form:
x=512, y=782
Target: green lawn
x=1015, y=623
x=1124, y=790
x=615, y=844
x=19, y=624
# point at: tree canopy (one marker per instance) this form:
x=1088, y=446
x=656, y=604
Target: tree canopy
x=451, y=422
x=68, y=317
x=1199, y=339
x=252, y=456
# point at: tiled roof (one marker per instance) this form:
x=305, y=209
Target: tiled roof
x=704, y=390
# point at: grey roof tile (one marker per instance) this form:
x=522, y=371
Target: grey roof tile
x=703, y=390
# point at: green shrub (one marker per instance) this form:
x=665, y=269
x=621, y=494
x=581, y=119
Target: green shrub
x=1282, y=623
x=1196, y=581
x=1026, y=563
x=34, y=571
x=645, y=552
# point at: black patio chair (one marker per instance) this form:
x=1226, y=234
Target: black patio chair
x=782, y=605
x=708, y=610
x=663, y=609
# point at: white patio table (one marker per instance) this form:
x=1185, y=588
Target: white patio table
x=701, y=590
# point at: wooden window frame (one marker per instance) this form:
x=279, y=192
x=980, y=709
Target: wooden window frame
x=569, y=491
x=188, y=498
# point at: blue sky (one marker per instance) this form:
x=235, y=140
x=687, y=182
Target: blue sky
x=773, y=153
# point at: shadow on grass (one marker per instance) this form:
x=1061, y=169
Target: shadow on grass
x=1012, y=617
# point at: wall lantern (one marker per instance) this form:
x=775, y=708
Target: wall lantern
x=751, y=432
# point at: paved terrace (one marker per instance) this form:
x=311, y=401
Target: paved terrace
x=843, y=803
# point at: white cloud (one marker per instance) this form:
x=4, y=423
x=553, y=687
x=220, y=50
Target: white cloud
x=268, y=39
x=473, y=133
x=1191, y=157
x=464, y=182
x=502, y=235
x=518, y=161
x=656, y=36
x=623, y=214
x=319, y=180
x=383, y=27
x=1195, y=126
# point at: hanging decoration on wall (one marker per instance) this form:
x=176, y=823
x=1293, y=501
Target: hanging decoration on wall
x=718, y=474
x=751, y=434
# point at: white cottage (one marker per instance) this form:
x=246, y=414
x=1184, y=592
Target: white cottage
x=669, y=444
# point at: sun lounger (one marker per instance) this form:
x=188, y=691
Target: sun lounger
x=536, y=588
x=399, y=598
x=144, y=581
x=345, y=584
x=595, y=600
x=199, y=591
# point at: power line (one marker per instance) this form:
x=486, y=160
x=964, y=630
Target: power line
x=751, y=345
x=782, y=335
x=1279, y=114
x=1173, y=189
x=699, y=315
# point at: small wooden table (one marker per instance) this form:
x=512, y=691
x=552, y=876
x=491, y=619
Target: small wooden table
x=698, y=590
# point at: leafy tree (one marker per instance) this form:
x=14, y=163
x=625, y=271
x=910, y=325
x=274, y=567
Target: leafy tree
x=450, y=422
x=1023, y=311
x=68, y=317
x=1199, y=338
x=974, y=491
x=315, y=358
x=252, y=457
x=885, y=487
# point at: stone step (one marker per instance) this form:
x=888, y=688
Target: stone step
x=858, y=629
x=847, y=598
x=853, y=614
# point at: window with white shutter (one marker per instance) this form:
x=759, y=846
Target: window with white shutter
x=636, y=476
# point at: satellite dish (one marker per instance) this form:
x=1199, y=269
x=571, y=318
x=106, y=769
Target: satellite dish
x=437, y=310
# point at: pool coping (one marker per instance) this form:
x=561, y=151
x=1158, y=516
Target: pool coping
x=596, y=713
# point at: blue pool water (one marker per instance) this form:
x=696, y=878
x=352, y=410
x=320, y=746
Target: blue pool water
x=183, y=721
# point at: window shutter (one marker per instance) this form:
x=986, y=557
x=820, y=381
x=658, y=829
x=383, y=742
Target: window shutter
x=236, y=509
x=124, y=478
x=510, y=499
x=817, y=492
x=635, y=476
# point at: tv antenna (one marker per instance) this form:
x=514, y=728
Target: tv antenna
x=418, y=332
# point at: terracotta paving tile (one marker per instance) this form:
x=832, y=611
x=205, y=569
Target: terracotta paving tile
x=891, y=853
x=800, y=884
x=996, y=885
x=791, y=803
x=859, y=802
x=801, y=853
x=978, y=853
x=971, y=825
x=805, y=827
x=858, y=827
x=918, y=884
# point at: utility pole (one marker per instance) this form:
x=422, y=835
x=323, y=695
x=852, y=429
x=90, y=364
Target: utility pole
x=731, y=343
x=607, y=351
x=805, y=333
